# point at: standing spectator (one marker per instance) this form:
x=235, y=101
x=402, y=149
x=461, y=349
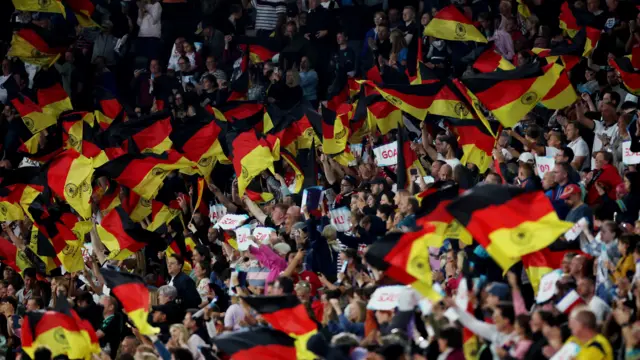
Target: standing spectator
x=149, y=22
x=309, y=82
x=267, y=14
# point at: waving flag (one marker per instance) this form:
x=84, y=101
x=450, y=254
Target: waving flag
x=123, y=237
x=259, y=343
x=69, y=177
x=450, y=24
x=629, y=75
x=250, y=155
x=36, y=45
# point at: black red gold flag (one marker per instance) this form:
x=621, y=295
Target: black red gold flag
x=45, y=6
x=450, y=24
x=260, y=49
x=490, y=61
x=36, y=45
x=132, y=292
x=287, y=314
x=144, y=173
x=629, y=75
x=510, y=95
x=407, y=159
x=122, y=237
x=260, y=343
x=148, y=134
x=10, y=256
x=476, y=141
x=508, y=222
x=250, y=154
x=69, y=177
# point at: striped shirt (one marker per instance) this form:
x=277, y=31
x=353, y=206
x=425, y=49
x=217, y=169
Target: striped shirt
x=267, y=13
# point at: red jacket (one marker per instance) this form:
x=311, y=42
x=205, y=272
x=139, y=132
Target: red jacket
x=609, y=177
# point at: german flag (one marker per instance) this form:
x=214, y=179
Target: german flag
x=79, y=134
x=568, y=20
x=380, y=113
x=122, y=237
x=630, y=76
x=109, y=196
x=52, y=97
x=561, y=95
x=373, y=74
x=542, y=262
x=133, y=294
x=508, y=221
x=136, y=206
x=41, y=246
x=34, y=120
x=523, y=9
x=433, y=211
x=412, y=99
x=36, y=45
x=510, y=95
x=404, y=257
x=260, y=49
x=334, y=131
x=83, y=10
x=423, y=75
x=16, y=199
x=570, y=54
x=450, y=103
x=69, y=177
x=450, y=24
x=250, y=155
x=242, y=115
x=338, y=92
x=61, y=331
x=259, y=343
x=407, y=159
x=149, y=134
x=240, y=86
x=476, y=141
x=437, y=192
x=199, y=142
x=10, y=256
x=144, y=173
x=475, y=104
x=291, y=127
x=287, y=314
x=108, y=108
x=593, y=36
x=162, y=214
x=48, y=6
x=490, y=61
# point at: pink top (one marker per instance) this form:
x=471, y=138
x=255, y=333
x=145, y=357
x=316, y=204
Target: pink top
x=268, y=258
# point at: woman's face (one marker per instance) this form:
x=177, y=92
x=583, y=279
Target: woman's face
x=377, y=19
x=371, y=201
x=536, y=322
x=11, y=291
x=187, y=48
x=175, y=334
x=425, y=19
x=384, y=200
x=627, y=184
x=606, y=234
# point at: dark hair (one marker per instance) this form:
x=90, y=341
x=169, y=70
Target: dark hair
x=198, y=320
x=235, y=8
x=413, y=203
x=204, y=251
x=568, y=153
x=453, y=337
x=286, y=283
x=608, y=157
x=507, y=312
x=523, y=322
x=11, y=300
x=39, y=301
x=615, y=97
x=386, y=209
x=178, y=258
x=565, y=166
x=42, y=353
x=30, y=272
x=634, y=179
x=630, y=240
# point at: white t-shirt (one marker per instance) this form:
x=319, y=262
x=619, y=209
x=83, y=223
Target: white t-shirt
x=580, y=148
x=150, y=25
x=451, y=162
x=551, y=151
x=599, y=308
x=600, y=128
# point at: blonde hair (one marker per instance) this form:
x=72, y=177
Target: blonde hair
x=184, y=334
x=397, y=41
x=330, y=232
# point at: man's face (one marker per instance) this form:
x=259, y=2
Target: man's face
x=559, y=156
x=393, y=15
x=128, y=346
x=154, y=67
x=600, y=161
x=32, y=305
x=28, y=282
x=559, y=174
x=593, y=5
x=188, y=322
x=571, y=132
x=173, y=267
x=407, y=15
x=612, y=78
x=158, y=317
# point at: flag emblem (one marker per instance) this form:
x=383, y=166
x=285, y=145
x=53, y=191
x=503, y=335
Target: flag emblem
x=157, y=171
x=521, y=238
x=245, y=172
x=461, y=109
x=73, y=141
x=71, y=190
x=144, y=202
x=461, y=32
x=205, y=161
x=3, y=209
x=529, y=98
x=70, y=250
x=44, y=3
x=342, y=133
x=28, y=122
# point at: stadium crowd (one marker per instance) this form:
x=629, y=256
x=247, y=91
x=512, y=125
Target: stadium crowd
x=320, y=179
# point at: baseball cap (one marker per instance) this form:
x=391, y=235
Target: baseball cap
x=526, y=157
x=500, y=290
x=570, y=190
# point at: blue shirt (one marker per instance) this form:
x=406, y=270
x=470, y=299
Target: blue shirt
x=309, y=84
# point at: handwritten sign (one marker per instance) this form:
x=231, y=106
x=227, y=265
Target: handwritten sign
x=547, y=287
x=386, y=155
x=544, y=164
x=87, y=251
x=385, y=298
x=216, y=212
x=262, y=234
x=242, y=237
x=628, y=157
x=231, y=221
x=340, y=218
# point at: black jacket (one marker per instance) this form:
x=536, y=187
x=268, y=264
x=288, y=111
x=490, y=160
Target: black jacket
x=187, y=292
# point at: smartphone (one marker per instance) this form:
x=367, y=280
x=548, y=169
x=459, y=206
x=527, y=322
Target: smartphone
x=413, y=171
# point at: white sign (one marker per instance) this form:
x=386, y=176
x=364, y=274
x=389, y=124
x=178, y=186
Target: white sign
x=87, y=251
x=628, y=157
x=262, y=234
x=386, y=154
x=385, y=298
x=356, y=150
x=340, y=218
x=569, y=351
x=231, y=221
x=547, y=287
x=216, y=212
x=544, y=164
x=242, y=237
x=576, y=229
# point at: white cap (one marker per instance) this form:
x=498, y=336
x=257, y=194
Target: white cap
x=527, y=157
